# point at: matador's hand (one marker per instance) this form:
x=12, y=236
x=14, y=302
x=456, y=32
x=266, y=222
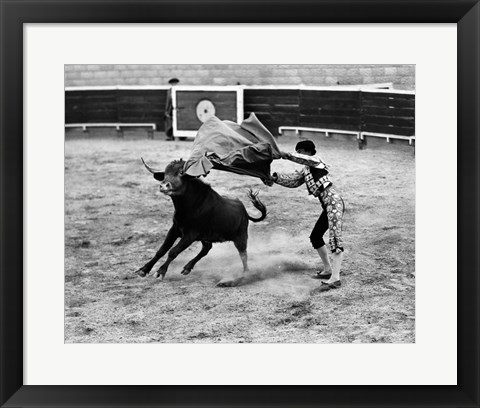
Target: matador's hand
x=268, y=181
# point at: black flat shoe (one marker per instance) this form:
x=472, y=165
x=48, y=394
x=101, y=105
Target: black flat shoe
x=320, y=275
x=325, y=287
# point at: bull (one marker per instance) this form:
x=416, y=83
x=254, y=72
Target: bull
x=201, y=214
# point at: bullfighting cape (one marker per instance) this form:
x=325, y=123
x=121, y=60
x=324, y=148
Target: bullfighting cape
x=248, y=148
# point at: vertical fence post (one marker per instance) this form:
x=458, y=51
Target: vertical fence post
x=362, y=140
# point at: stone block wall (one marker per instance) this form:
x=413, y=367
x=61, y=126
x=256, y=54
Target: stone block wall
x=402, y=76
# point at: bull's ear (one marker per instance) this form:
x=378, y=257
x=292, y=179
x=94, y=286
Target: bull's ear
x=159, y=175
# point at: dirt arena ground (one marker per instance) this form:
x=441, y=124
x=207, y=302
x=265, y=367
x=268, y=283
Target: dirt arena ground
x=116, y=218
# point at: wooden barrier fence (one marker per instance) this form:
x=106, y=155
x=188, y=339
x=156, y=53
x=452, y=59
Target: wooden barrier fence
x=366, y=112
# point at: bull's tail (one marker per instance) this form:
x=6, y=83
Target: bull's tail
x=253, y=196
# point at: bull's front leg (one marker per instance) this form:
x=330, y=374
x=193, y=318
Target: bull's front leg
x=183, y=244
x=172, y=236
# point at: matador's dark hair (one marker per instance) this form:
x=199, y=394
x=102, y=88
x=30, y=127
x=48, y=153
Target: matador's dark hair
x=306, y=145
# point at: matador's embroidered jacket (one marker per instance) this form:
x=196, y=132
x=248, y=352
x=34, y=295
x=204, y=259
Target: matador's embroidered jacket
x=315, y=174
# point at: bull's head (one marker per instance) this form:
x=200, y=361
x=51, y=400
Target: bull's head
x=171, y=180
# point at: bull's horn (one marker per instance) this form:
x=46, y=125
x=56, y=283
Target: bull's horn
x=150, y=169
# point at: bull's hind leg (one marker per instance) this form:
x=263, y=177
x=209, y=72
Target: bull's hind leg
x=206, y=247
x=172, y=236
x=241, y=245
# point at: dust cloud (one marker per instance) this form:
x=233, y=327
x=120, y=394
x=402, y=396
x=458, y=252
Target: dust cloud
x=275, y=262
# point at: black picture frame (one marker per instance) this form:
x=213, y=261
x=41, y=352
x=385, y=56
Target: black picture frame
x=465, y=13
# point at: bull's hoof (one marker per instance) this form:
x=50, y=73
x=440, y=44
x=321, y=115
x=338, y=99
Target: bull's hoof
x=159, y=275
x=228, y=282
x=185, y=271
x=141, y=273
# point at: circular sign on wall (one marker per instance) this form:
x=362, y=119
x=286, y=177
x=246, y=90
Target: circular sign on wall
x=205, y=109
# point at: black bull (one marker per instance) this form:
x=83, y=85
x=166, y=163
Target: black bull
x=201, y=214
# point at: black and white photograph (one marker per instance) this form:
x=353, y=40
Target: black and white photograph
x=224, y=204
x=235, y=203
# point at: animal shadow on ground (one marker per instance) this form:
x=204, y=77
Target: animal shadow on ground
x=262, y=271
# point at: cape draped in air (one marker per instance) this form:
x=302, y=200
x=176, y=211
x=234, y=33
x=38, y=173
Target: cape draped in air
x=248, y=148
